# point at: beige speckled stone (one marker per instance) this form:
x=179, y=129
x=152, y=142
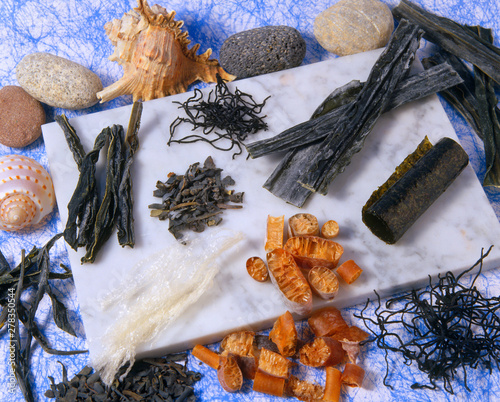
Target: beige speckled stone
x=354, y=26
x=21, y=117
x=57, y=81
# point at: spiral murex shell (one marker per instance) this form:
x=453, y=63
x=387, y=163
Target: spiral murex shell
x=154, y=54
x=26, y=192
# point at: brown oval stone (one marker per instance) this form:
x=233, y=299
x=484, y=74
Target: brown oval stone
x=354, y=26
x=22, y=117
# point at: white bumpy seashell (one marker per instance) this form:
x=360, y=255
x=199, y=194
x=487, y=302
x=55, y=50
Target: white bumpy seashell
x=26, y=192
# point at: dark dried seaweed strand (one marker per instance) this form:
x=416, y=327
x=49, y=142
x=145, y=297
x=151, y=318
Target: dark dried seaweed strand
x=105, y=218
x=336, y=151
x=83, y=204
x=444, y=329
x=72, y=139
x=157, y=379
x=456, y=38
x=125, y=215
x=236, y=113
x=32, y=271
x=488, y=112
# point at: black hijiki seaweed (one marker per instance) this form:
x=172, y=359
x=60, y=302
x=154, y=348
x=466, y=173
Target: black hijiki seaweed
x=236, y=113
x=443, y=328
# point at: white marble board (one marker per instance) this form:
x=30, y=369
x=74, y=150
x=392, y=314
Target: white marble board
x=449, y=236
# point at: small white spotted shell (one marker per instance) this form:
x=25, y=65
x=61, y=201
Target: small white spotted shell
x=26, y=192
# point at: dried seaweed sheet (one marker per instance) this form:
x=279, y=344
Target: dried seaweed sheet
x=413, y=188
x=456, y=38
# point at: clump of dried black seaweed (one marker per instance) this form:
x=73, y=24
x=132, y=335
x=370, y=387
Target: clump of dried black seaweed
x=32, y=274
x=162, y=379
x=196, y=199
x=446, y=328
x=236, y=113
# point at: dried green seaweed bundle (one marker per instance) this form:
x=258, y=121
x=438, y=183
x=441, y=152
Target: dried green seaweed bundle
x=455, y=38
x=195, y=199
x=31, y=275
x=415, y=185
x=476, y=100
x=444, y=329
x=91, y=219
x=237, y=114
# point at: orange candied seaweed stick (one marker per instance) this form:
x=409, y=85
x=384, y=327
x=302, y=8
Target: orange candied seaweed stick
x=268, y=384
x=284, y=334
x=332, y=385
x=303, y=224
x=353, y=375
x=207, y=356
x=274, y=232
x=330, y=229
x=320, y=352
x=257, y=269
x=287, y=276
x=324, y=282
x=229, y=374
x=274, y=364
x=239, y=343
x=349, y=271
x=303, y=390
x=327, y=321
x=310, y=251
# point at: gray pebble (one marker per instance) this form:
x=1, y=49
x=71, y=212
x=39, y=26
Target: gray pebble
x=57, y=81
x=354, y=26
x=262, y=50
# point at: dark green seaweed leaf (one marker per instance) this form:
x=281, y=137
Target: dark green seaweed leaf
x=125, y=216
x=456, y=38
x=72, y=139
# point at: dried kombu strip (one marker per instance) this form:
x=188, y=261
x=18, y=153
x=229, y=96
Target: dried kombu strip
x=456, y=38
x=196, y=199
x=350, y=131
x=444, y=329
x=476, y=101
x=412, y=189
x=236, y=113
x=125, y=215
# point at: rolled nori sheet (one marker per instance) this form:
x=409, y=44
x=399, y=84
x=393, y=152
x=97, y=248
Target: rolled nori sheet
x=392, y=212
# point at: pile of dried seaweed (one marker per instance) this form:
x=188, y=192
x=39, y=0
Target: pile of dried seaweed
x=475, y=99
x=161, y=379
x=195, y=199
x=236, y=113
x=32, y=274
x=444, y=329
x=92, y=218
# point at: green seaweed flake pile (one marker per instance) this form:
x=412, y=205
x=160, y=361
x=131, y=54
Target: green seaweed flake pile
x=196, y=199
x=447, y=328
x=236, y=114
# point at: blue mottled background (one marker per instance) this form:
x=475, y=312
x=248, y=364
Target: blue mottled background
x=74, y=29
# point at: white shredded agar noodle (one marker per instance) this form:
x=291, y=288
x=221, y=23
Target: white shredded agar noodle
x=155, y=293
